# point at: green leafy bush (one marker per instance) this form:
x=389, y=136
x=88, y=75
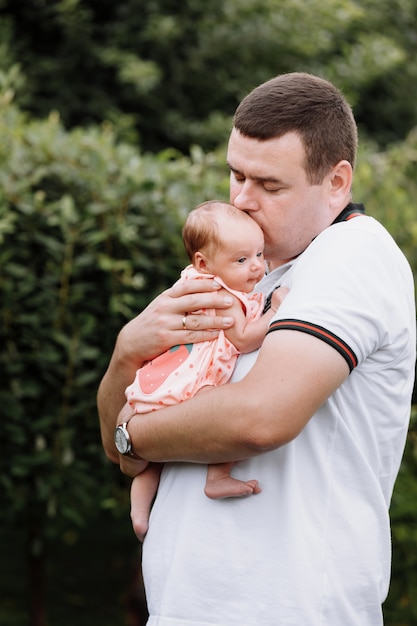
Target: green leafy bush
x=401, y=606
x=89, y=233
x=387, y=183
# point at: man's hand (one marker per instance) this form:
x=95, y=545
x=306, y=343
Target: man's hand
x=159, y=327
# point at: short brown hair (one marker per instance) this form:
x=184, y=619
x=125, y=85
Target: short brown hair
x=202, y=230
x=308, y=105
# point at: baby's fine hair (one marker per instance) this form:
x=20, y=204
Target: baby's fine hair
x=203, y=229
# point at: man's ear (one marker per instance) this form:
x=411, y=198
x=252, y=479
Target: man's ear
x=340, y=182
x=200, y=262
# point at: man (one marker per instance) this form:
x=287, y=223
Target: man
x=319, y=415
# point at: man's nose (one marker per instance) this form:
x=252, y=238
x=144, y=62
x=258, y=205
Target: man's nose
x=245, y=199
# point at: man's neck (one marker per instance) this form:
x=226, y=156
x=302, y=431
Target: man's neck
x=272, y=265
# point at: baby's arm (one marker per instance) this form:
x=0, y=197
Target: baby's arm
x=248, y=336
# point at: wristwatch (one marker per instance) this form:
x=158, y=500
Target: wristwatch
x=123, y=441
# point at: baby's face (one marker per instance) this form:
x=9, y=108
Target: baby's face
x=239, y=261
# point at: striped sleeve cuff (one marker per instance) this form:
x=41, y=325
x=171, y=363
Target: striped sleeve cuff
x=321, y=333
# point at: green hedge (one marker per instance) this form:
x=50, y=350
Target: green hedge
x=401, y=605
x=89, y=233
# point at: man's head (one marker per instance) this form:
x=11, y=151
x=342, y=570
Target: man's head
x=310, y=106
x=291, y=154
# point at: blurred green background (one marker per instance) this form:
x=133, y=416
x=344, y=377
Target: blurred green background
x=114, y=118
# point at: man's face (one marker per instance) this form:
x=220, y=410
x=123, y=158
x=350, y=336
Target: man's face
x=268, y=181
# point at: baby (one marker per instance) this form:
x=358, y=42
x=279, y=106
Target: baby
x=224, y=243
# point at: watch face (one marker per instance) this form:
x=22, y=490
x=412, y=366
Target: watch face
x=121, y=441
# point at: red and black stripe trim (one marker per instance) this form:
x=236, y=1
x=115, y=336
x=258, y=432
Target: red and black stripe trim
x=349, y=217
x=321, y=333
x=353, y=209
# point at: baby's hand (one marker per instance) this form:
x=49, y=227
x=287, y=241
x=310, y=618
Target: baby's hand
x=278, y=297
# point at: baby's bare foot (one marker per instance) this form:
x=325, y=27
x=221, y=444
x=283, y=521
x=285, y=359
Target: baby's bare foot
x=229, y=487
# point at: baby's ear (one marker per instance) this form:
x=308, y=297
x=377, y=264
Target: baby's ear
x=200, y=262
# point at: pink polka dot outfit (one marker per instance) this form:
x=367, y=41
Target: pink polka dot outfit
x=179, y=373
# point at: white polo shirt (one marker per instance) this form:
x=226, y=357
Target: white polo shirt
x=313, y=548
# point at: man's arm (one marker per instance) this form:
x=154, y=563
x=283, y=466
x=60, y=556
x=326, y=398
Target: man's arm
x=152, y=332
x=292, y=377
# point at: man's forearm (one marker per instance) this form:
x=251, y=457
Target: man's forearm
x=195, y=430
x=265, y=410
x=111, y=398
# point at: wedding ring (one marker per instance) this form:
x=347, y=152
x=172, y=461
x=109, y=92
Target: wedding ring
x=183, y=322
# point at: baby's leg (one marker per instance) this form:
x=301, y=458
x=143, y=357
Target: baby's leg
x=220, y=484
x=142, y=492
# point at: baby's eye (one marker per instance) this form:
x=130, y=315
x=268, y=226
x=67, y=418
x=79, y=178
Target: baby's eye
x=260, y=254
x=242, y=259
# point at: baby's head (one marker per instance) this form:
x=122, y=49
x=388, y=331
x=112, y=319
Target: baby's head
x=222, y=240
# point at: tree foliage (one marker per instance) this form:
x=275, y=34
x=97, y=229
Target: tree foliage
x=170, y=74
x=386, y=182
x=401, y=606
x=89, y=232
